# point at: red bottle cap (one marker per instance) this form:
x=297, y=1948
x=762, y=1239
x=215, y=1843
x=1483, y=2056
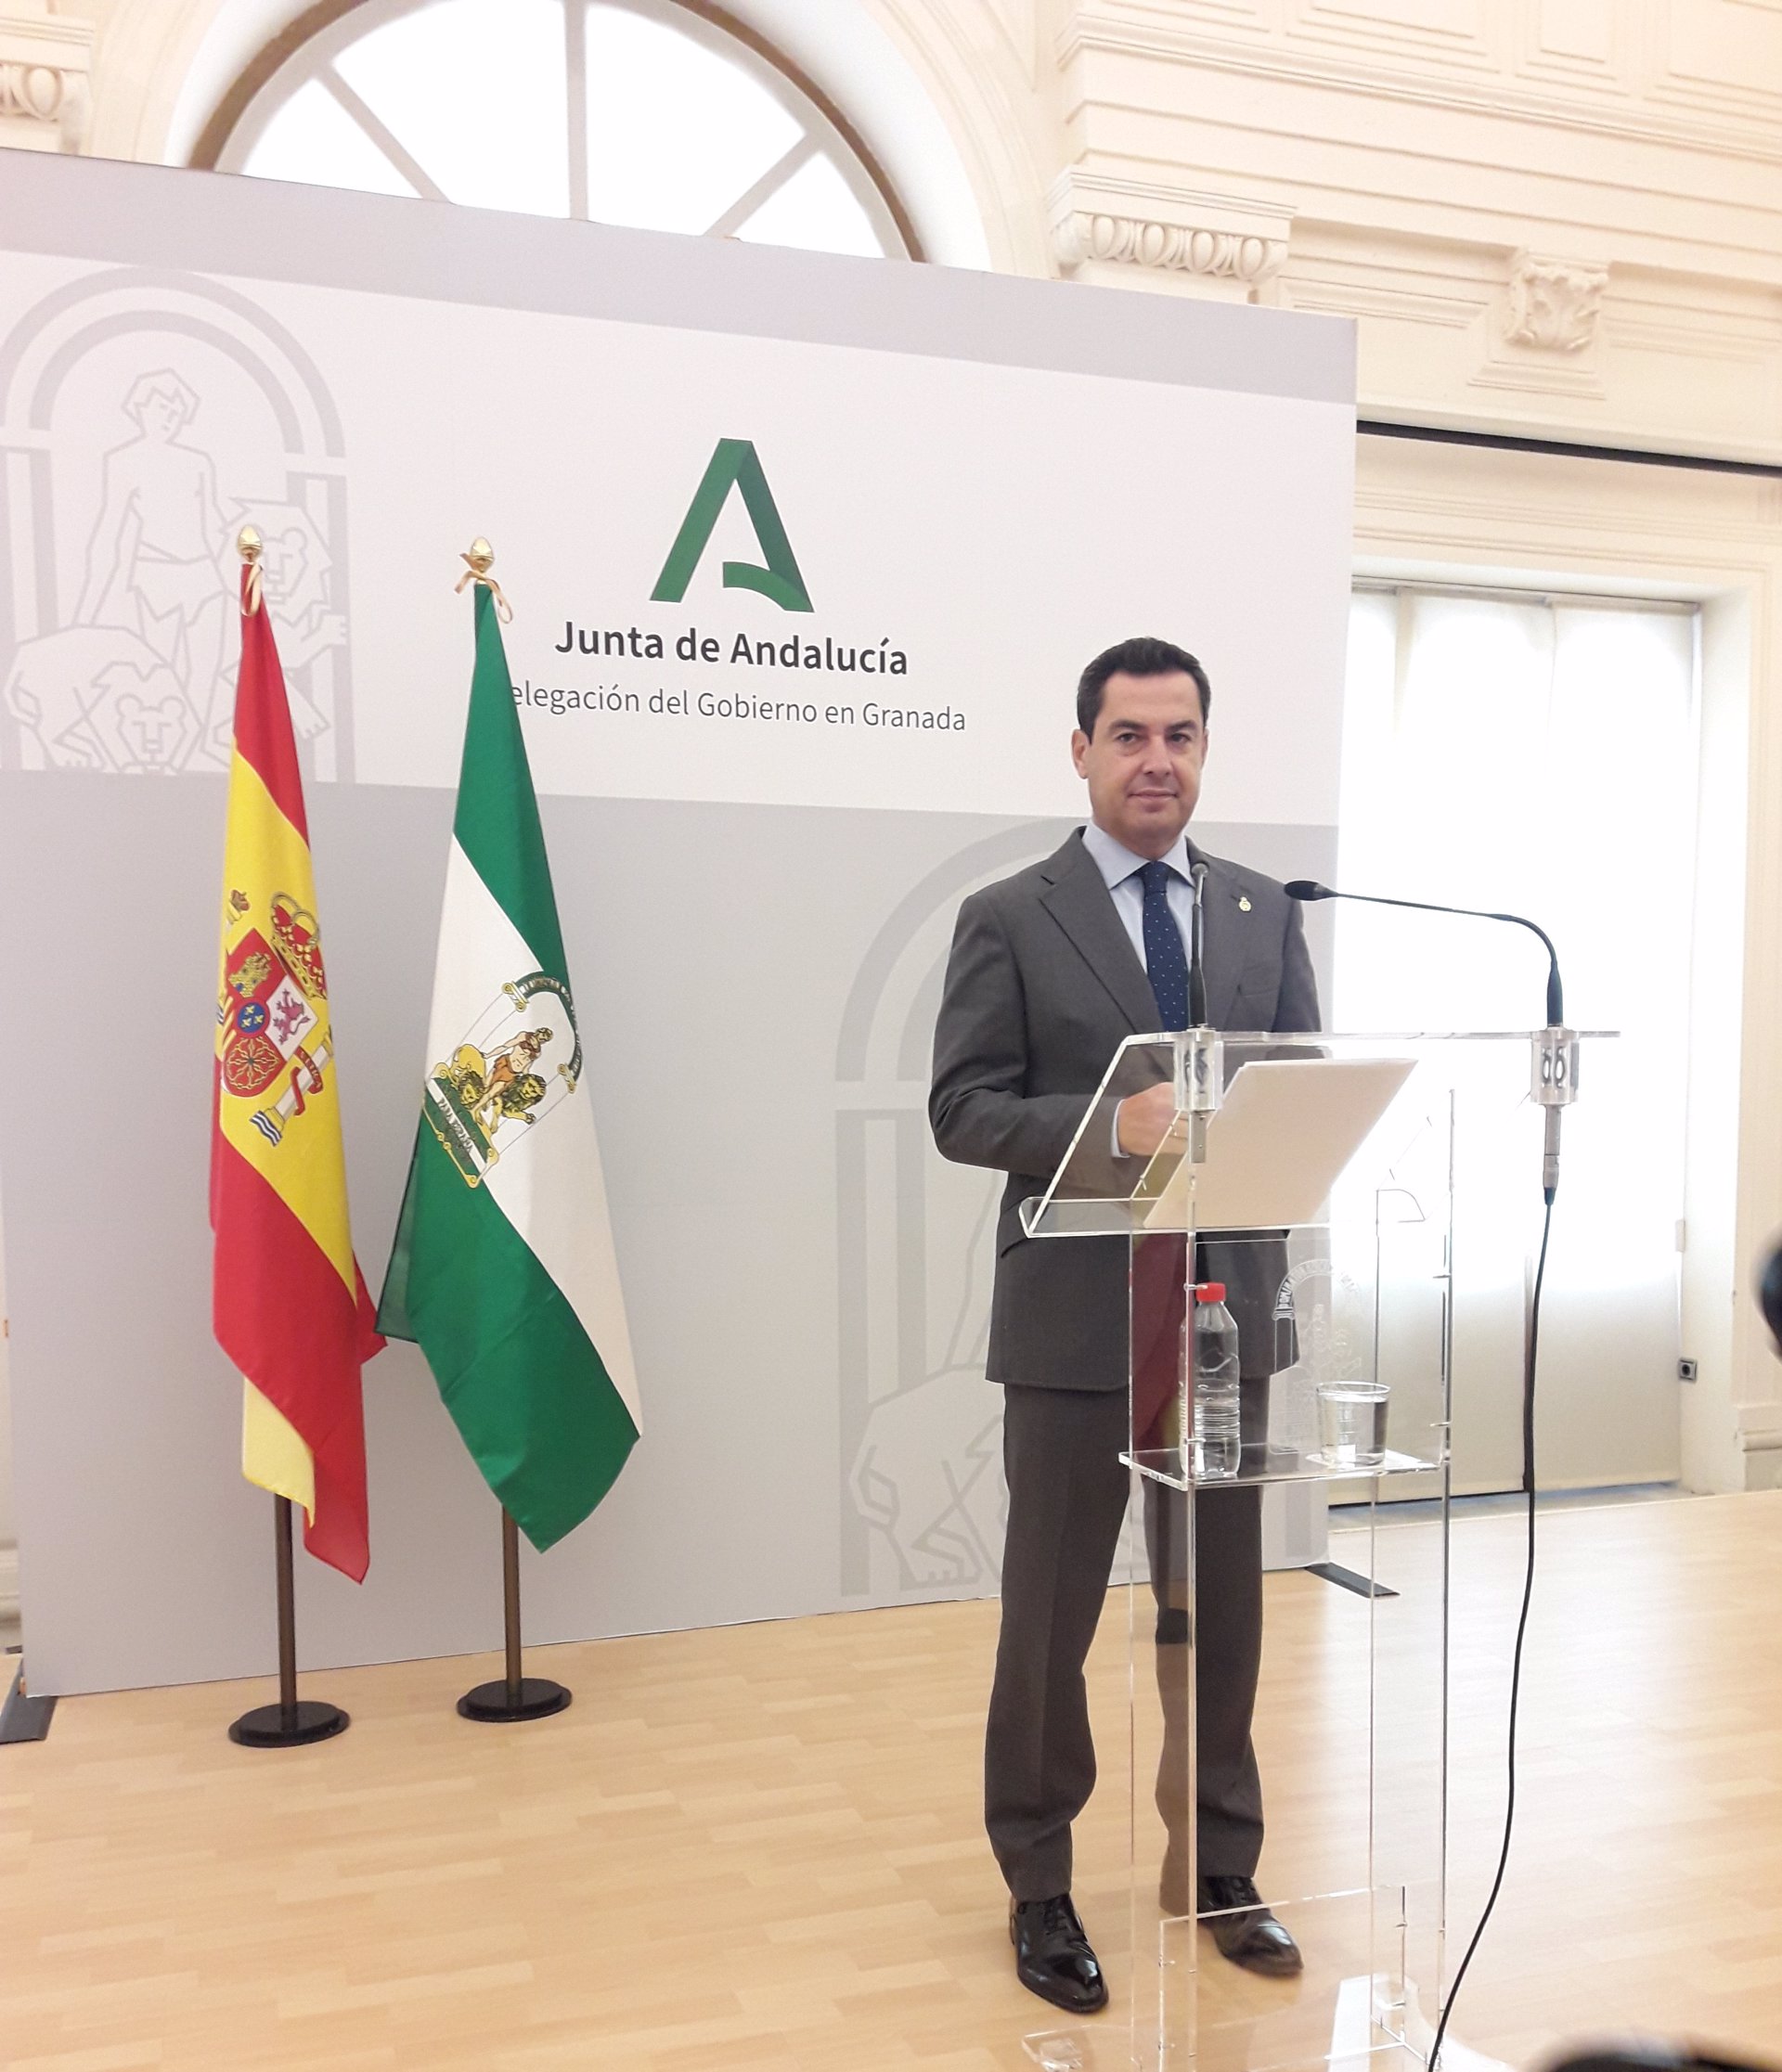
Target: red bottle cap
x=1210, y=1291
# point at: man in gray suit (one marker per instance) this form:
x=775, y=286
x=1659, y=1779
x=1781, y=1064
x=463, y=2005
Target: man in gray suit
x=1050, y=970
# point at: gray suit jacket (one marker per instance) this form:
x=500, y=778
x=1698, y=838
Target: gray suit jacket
x=1043, y=987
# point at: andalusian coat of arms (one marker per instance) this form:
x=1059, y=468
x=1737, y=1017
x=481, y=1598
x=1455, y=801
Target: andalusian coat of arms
x=521, y=1059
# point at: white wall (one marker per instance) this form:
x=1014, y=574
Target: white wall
x=8, y=1522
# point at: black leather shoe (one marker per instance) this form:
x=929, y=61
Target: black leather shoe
x=1052, y=1957
x=1245, y=1929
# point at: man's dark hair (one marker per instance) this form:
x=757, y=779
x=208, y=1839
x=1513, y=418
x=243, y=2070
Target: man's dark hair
x=1139, y=657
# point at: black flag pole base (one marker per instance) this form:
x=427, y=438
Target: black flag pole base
x=537, y=1698
x=514, y=1696
x=288, y=1726
x=293, y=1722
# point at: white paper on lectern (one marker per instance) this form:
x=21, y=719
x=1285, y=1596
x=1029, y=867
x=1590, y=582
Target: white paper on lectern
x=1278, y=1141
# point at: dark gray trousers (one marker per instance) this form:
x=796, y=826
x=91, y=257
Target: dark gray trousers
x=1068, y=1497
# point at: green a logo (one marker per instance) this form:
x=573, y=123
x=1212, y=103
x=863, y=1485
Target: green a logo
x=734, y=464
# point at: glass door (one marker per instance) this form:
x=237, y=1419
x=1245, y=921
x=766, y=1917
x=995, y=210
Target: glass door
x=1536, y=754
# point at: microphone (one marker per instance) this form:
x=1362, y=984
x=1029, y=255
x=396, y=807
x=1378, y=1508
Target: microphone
x=1557, y=1073
x=1197, y=952
x=1770, y=1297
x=1309, y=888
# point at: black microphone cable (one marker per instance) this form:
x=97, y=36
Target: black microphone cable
x=1309, y=889
x=1521, y=1634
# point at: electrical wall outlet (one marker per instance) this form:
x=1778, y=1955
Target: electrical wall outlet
x=1685, y=1371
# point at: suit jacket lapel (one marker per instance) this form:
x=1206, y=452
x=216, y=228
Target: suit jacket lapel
x=1224, y=945
x=1079, y=900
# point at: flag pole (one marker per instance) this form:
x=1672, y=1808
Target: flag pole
x=292, y=1721
x=515, y=1695
x=512, y=1696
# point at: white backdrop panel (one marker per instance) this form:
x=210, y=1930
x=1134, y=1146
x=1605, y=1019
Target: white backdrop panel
x=991, y=477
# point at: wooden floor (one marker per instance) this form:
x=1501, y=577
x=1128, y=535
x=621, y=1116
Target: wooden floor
x=759, y=1847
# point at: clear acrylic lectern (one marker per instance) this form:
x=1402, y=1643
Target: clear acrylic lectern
x=1319, y=1178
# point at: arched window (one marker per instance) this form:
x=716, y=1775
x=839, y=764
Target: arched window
x=662, y=114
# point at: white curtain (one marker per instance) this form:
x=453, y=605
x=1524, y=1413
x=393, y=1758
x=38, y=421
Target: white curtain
x=1538, y=756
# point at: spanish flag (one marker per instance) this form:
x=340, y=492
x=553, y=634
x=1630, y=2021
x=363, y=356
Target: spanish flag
x=291, y=1310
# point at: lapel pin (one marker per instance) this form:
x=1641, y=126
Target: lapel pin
x=1244, y=902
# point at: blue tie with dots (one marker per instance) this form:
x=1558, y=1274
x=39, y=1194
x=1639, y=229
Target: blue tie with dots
x=1166, y=962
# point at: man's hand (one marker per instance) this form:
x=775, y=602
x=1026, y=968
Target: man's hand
x=1144, y=1119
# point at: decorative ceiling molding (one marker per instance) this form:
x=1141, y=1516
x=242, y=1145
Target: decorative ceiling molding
x=46, y=78
x=1556, y=304
x=1400, y=39
x=1656, y=357
x=1088, y=33
x=1099, y=217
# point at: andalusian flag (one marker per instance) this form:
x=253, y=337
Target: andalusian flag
x=291, y=1310
x=504, y=1272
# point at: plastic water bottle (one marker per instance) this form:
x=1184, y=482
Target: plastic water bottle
x=1219, y=1437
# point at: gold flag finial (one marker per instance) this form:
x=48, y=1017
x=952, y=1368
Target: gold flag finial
x=250, y=546
x=477, y=564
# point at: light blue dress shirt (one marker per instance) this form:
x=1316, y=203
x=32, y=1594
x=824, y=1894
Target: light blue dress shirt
x=1120, y=868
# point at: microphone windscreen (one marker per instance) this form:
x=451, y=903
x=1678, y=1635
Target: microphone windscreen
x=1770, y=1295
x=1306, y=888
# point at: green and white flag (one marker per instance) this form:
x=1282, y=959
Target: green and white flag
x=504, y=1272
